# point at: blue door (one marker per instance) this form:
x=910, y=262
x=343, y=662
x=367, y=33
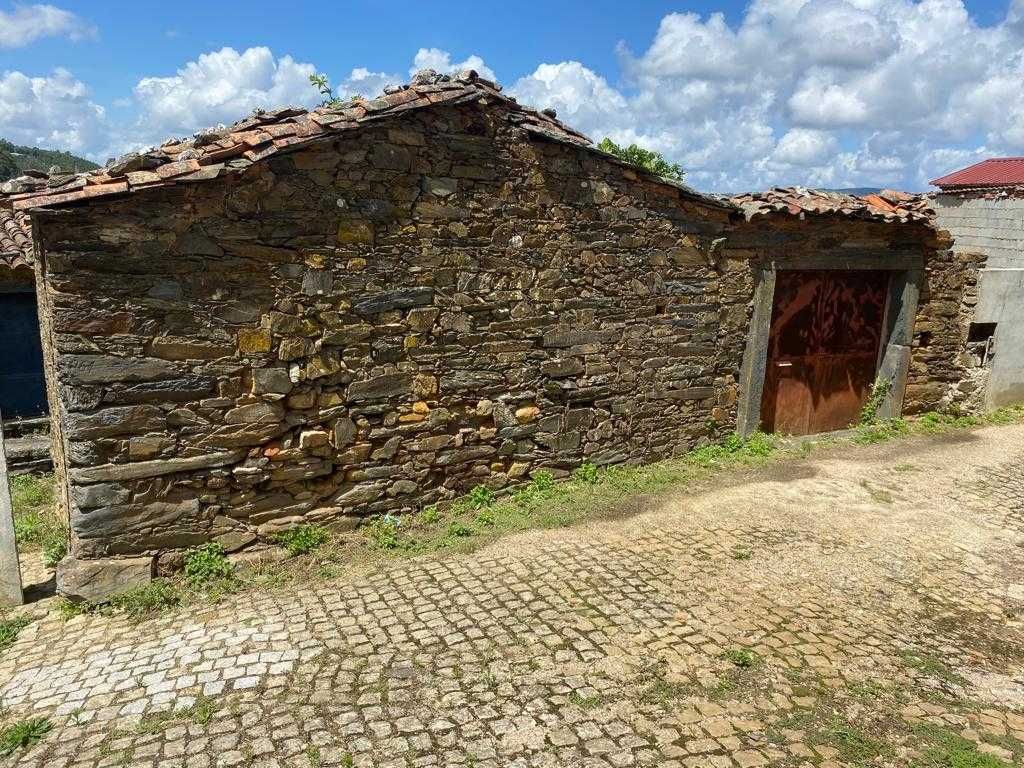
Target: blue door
x=22, y=387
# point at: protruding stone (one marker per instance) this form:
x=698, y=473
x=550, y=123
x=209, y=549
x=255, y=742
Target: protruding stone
x=390, y=385
x=313, y=438
x=527, y=413
x=255, y=413
x=252, y=341
x=344, y=432
x=95, y=581
x=271, y=381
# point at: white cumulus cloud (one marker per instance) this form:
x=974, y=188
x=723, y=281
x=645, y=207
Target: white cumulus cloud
x=219, y=87
x=50, y=111
x=845, y=92
x=27, y=23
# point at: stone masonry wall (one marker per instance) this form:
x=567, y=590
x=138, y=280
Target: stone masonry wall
x=373, y=324
x=942, y=374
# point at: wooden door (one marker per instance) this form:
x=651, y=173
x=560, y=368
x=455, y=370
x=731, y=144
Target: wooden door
x=823, y=349
x=22, y=386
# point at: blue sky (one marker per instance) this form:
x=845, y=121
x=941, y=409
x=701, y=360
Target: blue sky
x=824, y=92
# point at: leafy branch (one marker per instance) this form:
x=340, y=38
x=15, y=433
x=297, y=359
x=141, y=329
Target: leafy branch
x=323, y=87
x=643, y=158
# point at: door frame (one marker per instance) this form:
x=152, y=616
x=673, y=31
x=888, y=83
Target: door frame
x=905, y=282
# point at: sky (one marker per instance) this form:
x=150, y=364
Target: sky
x=743, y=95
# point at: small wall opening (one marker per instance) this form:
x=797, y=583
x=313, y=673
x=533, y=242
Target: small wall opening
x=981, y=342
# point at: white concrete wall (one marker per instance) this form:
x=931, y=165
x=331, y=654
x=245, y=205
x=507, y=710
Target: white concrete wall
x=993, y=227
x=996, y=229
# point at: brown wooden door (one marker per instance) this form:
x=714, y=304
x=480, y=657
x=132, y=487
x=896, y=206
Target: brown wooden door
x=822, y=349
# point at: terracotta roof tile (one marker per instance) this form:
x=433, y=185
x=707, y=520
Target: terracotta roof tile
x=217, y=151
x=15, y=239
x=887, y=205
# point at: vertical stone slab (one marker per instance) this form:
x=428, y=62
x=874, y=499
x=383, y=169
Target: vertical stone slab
x=755, y=357
x=10, y=569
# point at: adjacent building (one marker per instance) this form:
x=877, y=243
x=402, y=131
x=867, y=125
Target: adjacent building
x=983, y=208
x=324, y=316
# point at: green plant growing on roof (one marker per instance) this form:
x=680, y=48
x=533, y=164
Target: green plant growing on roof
x=323, y=87
x=646, y=159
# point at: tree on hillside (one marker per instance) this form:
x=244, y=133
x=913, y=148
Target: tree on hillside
x=643, y=158
x=8, y=167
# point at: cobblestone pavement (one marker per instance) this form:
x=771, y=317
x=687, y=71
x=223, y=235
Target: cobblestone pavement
x=819, y=612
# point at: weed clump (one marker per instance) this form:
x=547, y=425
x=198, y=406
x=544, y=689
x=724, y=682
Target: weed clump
x=23, y=734
x=744, y=658
x=206, y=565
x=9, y=630
x=383, y=532
x=481, y=496
x=303, y=539
x=586, y=473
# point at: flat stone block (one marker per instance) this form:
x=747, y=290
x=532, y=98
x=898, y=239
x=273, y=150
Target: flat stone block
x=99, y=580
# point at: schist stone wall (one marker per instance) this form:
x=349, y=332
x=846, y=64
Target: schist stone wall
x=395, y=315
x=373, y=324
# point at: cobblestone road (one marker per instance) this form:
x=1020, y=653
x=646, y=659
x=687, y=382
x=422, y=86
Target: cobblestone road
x=821, y=612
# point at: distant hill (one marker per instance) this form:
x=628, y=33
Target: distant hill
x=858, y=191
x=14, y=159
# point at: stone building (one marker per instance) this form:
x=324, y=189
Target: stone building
x=983, y=208
x=324, y=316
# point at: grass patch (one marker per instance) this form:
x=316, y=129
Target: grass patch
x=855, y=746
x=200, y=713
x=878, y=495
x=68, y=609
x=740, y=552
x=303, y=539
x=585, y=702
x=9, y=630
x=881, y=431
x=147, y=600
x=38, y=525
x=943, y=748
x=931, y=666
x=744, y=658
x=482, y=515
x=23, y=734
x=933, y=423
x=662, y=692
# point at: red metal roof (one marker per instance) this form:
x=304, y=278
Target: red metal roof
x=996, y=172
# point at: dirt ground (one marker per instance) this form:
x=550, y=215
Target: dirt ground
x=861, y=606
